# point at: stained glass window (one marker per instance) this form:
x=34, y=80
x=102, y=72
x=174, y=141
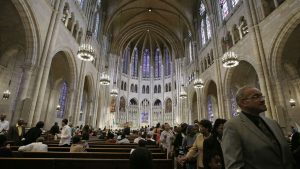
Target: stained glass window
x=203, y=32
x=135, y=63
x=157, y=62
x=224, y=8
x=96, y=26
x=146, y=64
x=210, y=108
x=202, y=9
x=208, y=27
x=168, y=63
x=62, y=100
x=126, y=60
x=233, y=104
x=234, y=2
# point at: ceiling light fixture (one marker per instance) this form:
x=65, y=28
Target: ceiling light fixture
x=230, y=59
x=86, y=51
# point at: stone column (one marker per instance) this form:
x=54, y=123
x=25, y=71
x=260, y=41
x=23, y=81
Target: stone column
x=41, y=81
x=263, y=75
x=24, y=88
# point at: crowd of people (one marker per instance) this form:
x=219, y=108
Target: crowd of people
x=248, y=141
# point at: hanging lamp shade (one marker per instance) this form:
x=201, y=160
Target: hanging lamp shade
x=198, y=83
x=230, y=59
x=86, y=51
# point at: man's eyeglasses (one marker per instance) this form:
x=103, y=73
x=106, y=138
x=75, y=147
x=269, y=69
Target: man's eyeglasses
x=255, y=97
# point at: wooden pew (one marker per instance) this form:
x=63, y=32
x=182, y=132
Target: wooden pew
x=75, y=163
x=67, y=149
x=99, y=155
x=110, y=145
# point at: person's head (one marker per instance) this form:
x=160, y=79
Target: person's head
x=2, y=117
x=40, y=139
x=56, y=124
x=251, y=100
x=217, y=129
x=142, y=143
x=190, y=130
x=64, y=122
x=167, y=126
x=205, y=126
x=141, y=158
x=2, y=140
x=76, y=139
x=39, y=124
x=157, y=125
x=20, y=122
x=295, y=142
x=86, y=127
x=215, y=161
x=196, y=121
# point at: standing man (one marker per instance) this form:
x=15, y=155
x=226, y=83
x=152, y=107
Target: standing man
x=251, y=141
x=16, y=133
x=4, y=124
x=66, y=134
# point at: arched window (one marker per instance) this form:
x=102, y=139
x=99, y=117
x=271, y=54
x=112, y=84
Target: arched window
x=159, y=89
x=131, y=88
x=62, y=100
x=166, y=86
x=234, y=2
x=126, y=60
x=147, y=89
x=224, y=8
x=143, y=89
x=135, y=63
x=146, y=64
x=210, y=108
x=135, y=88
x=155, y=89
x=125, y=86
x=97, y=26
x=205, y=26
x=168, y=63
x=157, y=61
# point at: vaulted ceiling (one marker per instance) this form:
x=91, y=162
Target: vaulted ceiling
x=153, y=23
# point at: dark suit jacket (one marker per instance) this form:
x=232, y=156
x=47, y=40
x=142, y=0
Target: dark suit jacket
x=13, y=135
x=32, y=134
x=211, y=145
x=245, y=146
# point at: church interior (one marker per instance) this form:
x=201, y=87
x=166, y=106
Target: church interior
x=111, y=63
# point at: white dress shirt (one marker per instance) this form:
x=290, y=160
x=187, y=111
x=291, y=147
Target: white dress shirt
x=65, y=136
x=34, y=147
x=4, y=125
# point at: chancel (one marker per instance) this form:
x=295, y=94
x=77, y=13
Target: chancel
x=115, y=64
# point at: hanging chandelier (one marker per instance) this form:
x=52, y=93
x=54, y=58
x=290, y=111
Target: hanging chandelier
x=230, y=59
x=183, y=94
x=198, y=83
x=114, y=92
x=104, y=79
x=292, y=103
x=6, y=94
x=58, y=107
x=86, y=51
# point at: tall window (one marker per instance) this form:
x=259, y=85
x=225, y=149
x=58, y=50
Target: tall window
x=234, y=2
x=224, y=8
x=62, y=100
x=205, y=26
x=146, y=64
x=126, y=60
x=135, y=63
x=190, y=51
x=210, y=108
x=80, y=3
x=96, y=26
x=157, y=62
x=168, y=63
